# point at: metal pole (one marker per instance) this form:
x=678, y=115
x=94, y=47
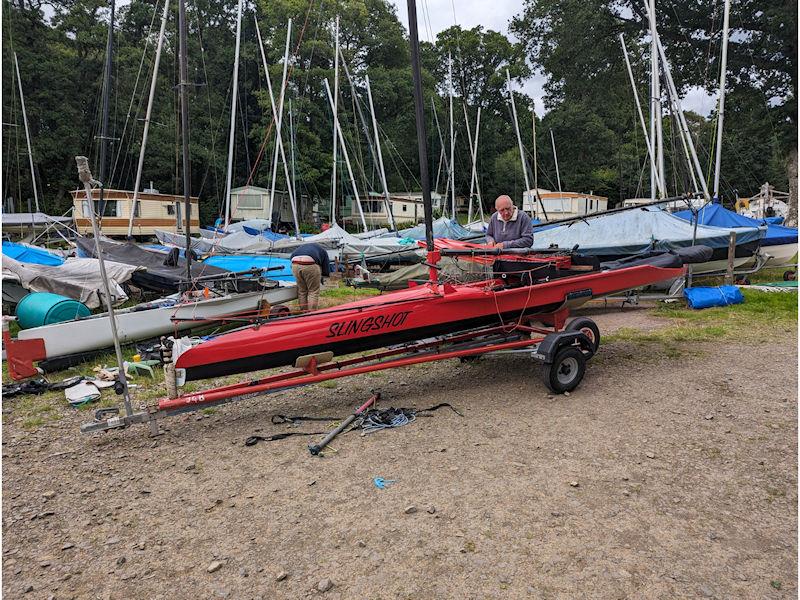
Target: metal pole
x=659, y=140
x=106, y=99
x=27, y=135
x=681, y=117
x=278, y=122
x=653, y=69
x=641, y=115
x=149, y=112
x=452, y=138
x=85, y=176
x=442, y=154
x=555, y=156
x=291, y=151
x=347, y=161
x=419, y=114
x=380, y=156
x=232, y=130
x=519, y=137
x=335, y=121
x=278, y=118
x=187, y=178
x=473, y=144
x=721, y=112
x=731, y=254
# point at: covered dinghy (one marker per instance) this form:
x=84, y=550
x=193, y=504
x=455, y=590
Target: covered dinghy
x=77, y=278
x=647, y=229
x=237, y=242
x=779, y=243
x=34, y=255
x=156, y=275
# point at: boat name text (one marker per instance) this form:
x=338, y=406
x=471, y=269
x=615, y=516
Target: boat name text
x=367, y=324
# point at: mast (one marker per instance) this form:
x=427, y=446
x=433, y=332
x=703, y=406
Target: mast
x=106, y=99
x=27, y=135
x=682, y=119
x=232, y=130
x=277, y=116
x=519, y=137
x=419, y=114
x=452, y=138
x=380, y=156
x=149, y=112
x=657, y=172
x=473, y=150
x=555, y=156
x=721, y=111
x=335, y=120
x=535, y=158
x=442, y=153
x=278, y=121
x=187, y=180
x=291, y=151
x=347, y=161
x=647, y=138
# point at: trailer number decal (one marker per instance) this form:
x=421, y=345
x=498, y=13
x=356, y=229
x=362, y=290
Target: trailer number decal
x=367, y=324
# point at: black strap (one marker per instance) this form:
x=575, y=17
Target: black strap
x=282, y=419
x=254, y=439
x=438, y=406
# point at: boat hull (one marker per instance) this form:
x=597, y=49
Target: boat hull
x=414, y=313
x=94, y=333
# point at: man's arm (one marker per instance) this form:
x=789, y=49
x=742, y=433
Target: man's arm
x=525, y=232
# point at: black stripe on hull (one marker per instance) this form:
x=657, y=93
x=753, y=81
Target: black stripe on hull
x=360, y=344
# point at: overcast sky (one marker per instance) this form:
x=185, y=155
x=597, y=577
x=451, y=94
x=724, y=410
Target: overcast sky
x=434, y=16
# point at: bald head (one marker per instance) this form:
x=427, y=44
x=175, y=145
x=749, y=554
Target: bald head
x=504, y=205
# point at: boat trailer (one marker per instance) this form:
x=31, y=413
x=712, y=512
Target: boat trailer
x=562, y=348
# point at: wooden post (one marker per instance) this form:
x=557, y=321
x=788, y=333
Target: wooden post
x=731, y=254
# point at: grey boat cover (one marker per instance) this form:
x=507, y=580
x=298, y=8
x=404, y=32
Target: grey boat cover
x=77, y=278
x=237, y=242
x=635, y=231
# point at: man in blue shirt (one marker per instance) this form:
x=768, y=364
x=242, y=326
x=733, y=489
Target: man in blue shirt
x=310, y=264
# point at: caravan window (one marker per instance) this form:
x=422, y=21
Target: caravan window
x=171, y=210
x=109, y=210
x=249, y=201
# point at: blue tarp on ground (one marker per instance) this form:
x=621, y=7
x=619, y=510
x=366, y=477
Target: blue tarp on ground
x=706, y=297
x=717, y=216
x=635, y=231
x=31, y=255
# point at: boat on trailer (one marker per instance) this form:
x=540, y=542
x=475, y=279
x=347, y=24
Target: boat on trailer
x=548, y=284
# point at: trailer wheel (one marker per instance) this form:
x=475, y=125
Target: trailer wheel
x=789, y=275
x=566, y=371
x=588, y=328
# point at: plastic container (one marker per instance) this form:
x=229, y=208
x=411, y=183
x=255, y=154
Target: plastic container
x=44, y=308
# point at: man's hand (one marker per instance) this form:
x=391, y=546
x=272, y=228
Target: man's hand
x=498, y=245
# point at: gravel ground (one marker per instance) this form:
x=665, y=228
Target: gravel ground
x=664, y=475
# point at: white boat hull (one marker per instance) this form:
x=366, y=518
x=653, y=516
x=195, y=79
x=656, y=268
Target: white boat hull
x=94, y=333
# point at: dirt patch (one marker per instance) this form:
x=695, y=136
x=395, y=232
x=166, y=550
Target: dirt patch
x=661, y=476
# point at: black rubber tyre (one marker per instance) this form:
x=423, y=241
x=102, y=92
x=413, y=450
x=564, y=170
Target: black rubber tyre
x=789, y=275
x=588, y=327
x=566, y=371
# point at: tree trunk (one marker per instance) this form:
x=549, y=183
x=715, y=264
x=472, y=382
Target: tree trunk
x=791, y=168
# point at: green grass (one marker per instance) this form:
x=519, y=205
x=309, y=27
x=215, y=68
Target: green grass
x=761, y=315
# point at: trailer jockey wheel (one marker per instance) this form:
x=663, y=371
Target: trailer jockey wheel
x=566, y=371
x=789, y=275
x=589, y=328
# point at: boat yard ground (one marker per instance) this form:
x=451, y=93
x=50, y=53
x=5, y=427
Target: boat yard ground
x=671, y=472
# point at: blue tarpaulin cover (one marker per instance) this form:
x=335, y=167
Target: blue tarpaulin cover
x=717, y=216
x=31, y=255
x=706, y=297
x=634, y=231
